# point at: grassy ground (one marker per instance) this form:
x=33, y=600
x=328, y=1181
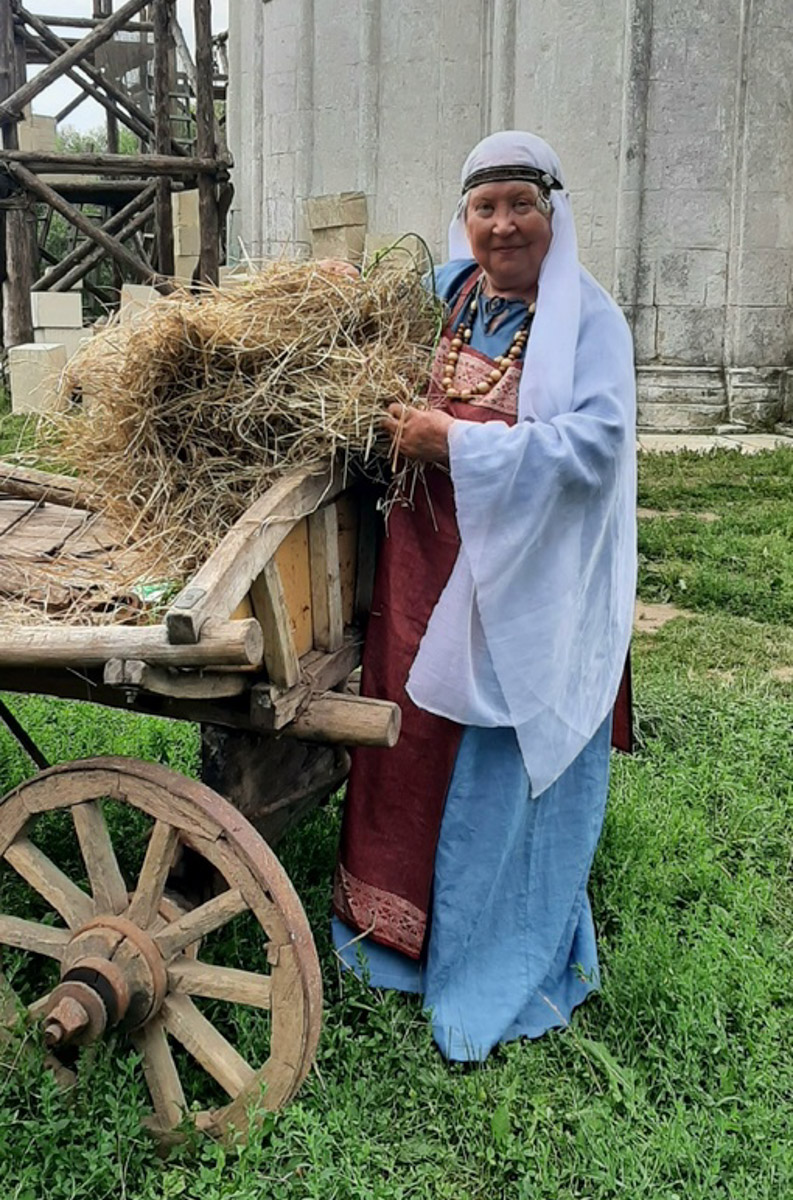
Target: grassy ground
x=674, y=1083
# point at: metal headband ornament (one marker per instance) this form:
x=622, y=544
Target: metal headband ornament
x=505, y=174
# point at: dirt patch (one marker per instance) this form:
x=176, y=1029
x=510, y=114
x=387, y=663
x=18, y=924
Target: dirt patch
x=784, y=674
x=649, y=513
x=649, y=618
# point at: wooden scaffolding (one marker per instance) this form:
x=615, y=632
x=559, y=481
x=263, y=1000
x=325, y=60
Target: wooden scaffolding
x=180, y=146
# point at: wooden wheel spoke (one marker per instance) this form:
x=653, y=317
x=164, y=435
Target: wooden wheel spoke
x=104, y=873
x=50, y=882
x=162, y=1077
x=199, y=922
x=190, y=977
x=30, y=935
x=207, y=1046
x=39, y=1007
x=153, y=874
x=9, y=1002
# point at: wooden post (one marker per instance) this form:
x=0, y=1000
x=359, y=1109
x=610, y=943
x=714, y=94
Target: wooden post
x=19, y=231
x=209, y=266
x=103, y=9
x=162, y=134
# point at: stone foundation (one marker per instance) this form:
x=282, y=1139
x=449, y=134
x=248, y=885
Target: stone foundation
x=701, y=399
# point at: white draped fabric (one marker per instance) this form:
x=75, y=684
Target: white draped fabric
x=533, y=628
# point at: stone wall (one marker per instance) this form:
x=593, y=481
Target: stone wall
x=674, y=123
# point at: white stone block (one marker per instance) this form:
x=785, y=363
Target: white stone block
x=231, y=278
x=186, y=226
x=34, y=371
x=341, y=209
x=693, y=336
x=37, y=132
x=765, y=277
x=135, y=297
x=72, y=339
x=57, y=310
x=689, y=277
x=184, y=266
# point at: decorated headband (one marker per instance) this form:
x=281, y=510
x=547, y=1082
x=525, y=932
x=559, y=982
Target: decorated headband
x=506, y=174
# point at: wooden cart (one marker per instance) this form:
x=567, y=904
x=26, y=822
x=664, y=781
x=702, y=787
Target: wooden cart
x=257, y=649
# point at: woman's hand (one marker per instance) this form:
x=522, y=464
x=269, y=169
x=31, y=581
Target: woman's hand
x=337, y=266
x=419, y=434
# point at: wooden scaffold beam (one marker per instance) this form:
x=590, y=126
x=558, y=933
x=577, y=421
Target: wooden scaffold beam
x=13, y=107
x=112, y=246
x=101, y=89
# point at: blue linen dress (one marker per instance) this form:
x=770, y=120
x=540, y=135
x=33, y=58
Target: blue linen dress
x=511, y=947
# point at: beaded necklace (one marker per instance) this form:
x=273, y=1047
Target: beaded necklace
x=503, y=361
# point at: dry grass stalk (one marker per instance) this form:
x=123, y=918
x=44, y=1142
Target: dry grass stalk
x=194, y=408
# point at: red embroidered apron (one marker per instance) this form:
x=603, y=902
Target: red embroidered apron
x=395, y=797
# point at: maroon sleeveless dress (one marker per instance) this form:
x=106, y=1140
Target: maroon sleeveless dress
x=395, y=798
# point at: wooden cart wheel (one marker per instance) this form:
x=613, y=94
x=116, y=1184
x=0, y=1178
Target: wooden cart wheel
x=129, y=961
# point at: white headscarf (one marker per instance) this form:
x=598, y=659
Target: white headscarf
x=533, y=627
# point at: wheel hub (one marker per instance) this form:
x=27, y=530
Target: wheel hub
x=112, y=974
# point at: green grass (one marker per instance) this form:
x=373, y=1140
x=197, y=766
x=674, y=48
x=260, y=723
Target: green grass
x=741, y=563
x=673, y=1083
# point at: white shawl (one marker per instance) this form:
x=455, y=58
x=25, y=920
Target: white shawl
x=533, y=627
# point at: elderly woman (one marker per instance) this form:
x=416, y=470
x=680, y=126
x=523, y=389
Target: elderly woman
x=501, y=623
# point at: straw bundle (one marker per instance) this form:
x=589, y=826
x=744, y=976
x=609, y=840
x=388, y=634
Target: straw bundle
x=194, y=408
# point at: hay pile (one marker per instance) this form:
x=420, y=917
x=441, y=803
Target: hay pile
x=191, y=410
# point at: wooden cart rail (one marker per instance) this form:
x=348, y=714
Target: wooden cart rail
x=274, y=613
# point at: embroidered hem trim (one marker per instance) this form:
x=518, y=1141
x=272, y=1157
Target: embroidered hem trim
x=389, y=919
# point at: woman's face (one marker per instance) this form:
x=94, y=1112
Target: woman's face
x=509, y=237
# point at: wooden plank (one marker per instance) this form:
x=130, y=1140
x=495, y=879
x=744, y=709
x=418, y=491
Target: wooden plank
x=196, y=978
x=12, y=511
x=30, y=484
x=229, y=643
x=269, y=604
x=326, y=602
x=347, y=522
x=97, y=535
x=96, y=255
x=228, y=574
x=292, y=559
x=184, y=685
x=272, y=708
x=44, y=530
